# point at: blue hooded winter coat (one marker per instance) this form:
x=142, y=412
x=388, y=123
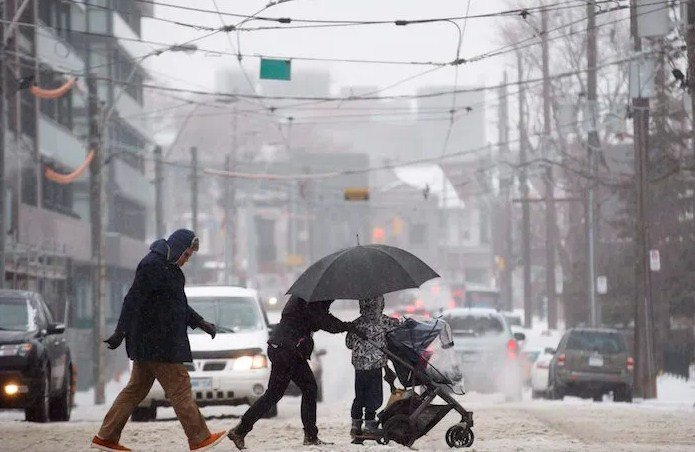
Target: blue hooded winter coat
x=155, y=313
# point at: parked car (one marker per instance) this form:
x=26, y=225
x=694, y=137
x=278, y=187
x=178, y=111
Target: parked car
x=539, y=373
x=533, y=349
x=590, y=362
x=487, y=350
x=317, y=369
x=231, y=369
x=36, y=371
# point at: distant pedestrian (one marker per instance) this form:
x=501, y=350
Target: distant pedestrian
x=368, y=360
x=289, y=347
x=154, y=321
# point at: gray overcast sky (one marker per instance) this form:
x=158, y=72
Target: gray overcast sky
x=427, y=42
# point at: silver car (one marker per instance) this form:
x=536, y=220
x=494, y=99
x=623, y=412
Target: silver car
x=487, y=350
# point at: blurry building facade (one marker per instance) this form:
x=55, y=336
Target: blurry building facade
x=49, y=240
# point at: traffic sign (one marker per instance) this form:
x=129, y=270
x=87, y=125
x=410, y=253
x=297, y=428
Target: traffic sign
x=275, y=69
x=654, y=260
x=602, y=285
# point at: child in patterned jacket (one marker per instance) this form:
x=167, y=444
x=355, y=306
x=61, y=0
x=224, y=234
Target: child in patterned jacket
x=368, y=360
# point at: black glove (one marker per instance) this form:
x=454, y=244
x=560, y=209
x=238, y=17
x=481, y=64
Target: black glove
x=208, y=328
x=115, y=340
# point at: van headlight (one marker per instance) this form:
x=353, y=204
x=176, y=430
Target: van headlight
x=16, y=349
x=250, y=362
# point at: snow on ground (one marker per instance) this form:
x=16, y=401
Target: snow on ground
x=665, y=424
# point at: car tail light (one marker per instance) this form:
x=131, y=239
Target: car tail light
x=630, y=363
x=512, y=348
x=561, y=359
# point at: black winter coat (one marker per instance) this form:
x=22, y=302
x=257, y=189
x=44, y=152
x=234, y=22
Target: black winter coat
x=155, y=313
x=299, y=320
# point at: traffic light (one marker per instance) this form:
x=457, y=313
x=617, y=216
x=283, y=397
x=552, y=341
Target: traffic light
x=356, y=194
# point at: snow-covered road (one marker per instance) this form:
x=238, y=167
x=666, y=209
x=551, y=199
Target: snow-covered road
x=571, y=425
x=527, y=426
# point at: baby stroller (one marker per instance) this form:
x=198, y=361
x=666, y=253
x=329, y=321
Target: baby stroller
x=422, y=355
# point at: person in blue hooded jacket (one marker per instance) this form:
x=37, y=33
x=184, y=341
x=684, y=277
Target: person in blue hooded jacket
x=154, y=321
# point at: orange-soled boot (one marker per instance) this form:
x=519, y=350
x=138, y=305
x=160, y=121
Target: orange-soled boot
x=102, y=444
x=209, y=442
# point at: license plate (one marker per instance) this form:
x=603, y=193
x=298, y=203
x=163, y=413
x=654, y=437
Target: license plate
x=201, y=383
x=596, y=361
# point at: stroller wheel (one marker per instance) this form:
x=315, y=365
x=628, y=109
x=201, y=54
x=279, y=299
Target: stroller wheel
x=459, y=436
x=397, y=428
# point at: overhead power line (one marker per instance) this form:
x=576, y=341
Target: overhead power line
x=522, y=12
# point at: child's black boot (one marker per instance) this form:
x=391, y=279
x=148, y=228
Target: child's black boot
x=356, y=428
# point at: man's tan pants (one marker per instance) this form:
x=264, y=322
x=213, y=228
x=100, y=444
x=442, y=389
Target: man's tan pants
x=177, y=386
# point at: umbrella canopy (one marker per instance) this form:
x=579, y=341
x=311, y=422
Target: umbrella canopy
x=360, y=272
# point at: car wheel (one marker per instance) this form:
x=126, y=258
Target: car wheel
x=37, y=410
x=271, y=413
x=536, y=394
x=555, y=393
x=61, y=406
x=598, y=397
x=623, y=394
x=144, y=413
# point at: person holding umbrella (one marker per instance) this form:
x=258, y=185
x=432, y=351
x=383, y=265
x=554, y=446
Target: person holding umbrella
x=289, y=348
x=153, y=322
x=353, y=273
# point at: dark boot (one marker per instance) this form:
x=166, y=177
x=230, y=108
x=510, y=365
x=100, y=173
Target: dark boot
x=237, y=438
x=356, y=427
x=313, y=440
x=371, y=428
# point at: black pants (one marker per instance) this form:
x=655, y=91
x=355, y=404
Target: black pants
x=369, y=394
x=287, y=365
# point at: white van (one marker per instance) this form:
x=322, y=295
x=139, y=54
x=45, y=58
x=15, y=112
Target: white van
x=231, y=369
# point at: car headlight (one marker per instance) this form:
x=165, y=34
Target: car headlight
x=16, y=349
x=250, y=362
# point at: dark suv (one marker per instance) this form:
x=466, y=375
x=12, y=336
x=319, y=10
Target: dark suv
x=36, y=373
x=591, y=362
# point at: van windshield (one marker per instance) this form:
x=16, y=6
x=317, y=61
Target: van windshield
x=230, y=314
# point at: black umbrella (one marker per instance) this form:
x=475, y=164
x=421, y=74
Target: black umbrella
x=360, y=272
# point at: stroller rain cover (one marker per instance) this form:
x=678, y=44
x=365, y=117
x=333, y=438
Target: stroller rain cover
x=428, y=347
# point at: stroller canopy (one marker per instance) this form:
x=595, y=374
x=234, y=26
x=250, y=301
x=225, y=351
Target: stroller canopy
x=412, y=342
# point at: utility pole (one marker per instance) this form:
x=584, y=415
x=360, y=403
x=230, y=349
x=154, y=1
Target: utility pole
x=525, y=212
x=550, y=214
x=505, y=204
x=194, y=189
x=228, y=222
x=645, y=376
x=96, y=211
x=3, y=122
x=158, y=200
x=194, y=200
x=690, y=43
x=593, y=145
x=231, y=213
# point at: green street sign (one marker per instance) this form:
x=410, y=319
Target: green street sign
x=275, y=69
